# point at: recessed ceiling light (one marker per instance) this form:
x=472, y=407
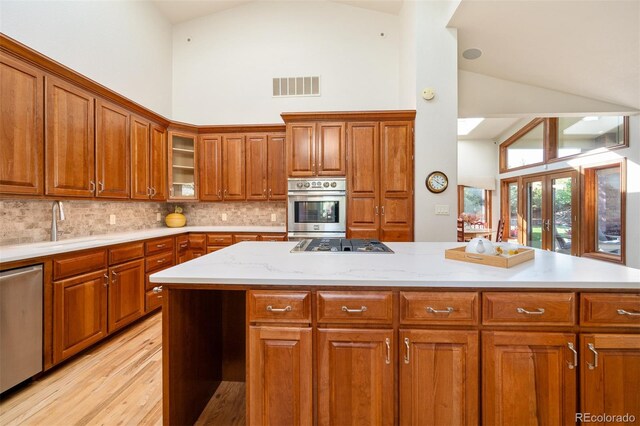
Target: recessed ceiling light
x=472, y=53
x=466, y=125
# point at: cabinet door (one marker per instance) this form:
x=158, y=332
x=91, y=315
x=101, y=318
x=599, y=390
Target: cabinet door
x=610, y=384
x=355, y=377
x=126, y=293
x=331, y=149
x=233, y=177
x=301, y=149
x=158, y=164
x=182, y=166
x=140, y=165
x=528, y=378
x=396, y=181
x=21, y=125
x=69, y=142
x=256, y=162
x=112, y=150
x=79, y=313
x=438, y=377
x=210, y=167
x=280, y=378
x=276, y=167
x=363, y=209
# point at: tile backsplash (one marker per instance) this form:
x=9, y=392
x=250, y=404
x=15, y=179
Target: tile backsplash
x=29, y=221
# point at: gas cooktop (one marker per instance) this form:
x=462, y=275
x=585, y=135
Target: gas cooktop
x=337, y=245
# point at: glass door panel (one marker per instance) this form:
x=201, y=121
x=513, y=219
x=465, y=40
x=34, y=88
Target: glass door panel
x=562, y=214
x=512, y=229
x=534, y=209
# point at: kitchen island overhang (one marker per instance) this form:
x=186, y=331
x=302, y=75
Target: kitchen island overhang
x=208, y=322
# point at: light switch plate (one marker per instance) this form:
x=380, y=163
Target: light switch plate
x=158, y=217
x=112, y=219
x=273, y=217
x=224, y=217
x=442, y=209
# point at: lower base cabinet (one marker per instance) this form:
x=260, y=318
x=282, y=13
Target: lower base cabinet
x=355, y=377
x=528, y=378
x=280, y=376
x=126, y=293
x=438, y=377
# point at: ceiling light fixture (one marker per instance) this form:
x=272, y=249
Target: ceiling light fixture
x=472, y=53
x=466, y=125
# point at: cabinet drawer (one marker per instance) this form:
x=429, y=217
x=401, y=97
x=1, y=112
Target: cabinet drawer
x=280, y=306
x=219, y=239
x=245, y=237
x=273, y=237
x=610, y=309
x=78, y=263
x=439, y=308
x=159, y=261
x=153, y=300
x=159, y=245
x=197, y=241
x=125, y=253
x=355, y=307
x=532, y=308
x=182, y=243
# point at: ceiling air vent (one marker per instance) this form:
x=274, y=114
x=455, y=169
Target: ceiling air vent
x=296, y=86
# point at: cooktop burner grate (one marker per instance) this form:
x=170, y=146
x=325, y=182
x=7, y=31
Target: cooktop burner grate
x=337, y=245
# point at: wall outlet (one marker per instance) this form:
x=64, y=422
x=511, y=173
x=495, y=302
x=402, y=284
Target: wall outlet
x=273, y=217
x=442, y=209
x=158, y=217
x=224, y=217
x=112, y=219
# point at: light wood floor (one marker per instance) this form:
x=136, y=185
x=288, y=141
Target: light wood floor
x=119, y=382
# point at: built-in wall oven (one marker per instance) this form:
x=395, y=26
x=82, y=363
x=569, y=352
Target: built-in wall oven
x=317, y=208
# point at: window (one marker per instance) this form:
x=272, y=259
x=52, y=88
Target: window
x=604, y=212
x=474, y=206
x=526, y=148
x=510, y=210
x=581, y=134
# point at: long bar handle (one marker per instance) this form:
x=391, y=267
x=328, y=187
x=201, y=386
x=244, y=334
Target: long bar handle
x=575, y=356
x=354, y=311
x=633, y=314
x=439, y=311
x=287, y=308
x=387, y=342
x=538, y=311
x=406, y=350
x=595, y=357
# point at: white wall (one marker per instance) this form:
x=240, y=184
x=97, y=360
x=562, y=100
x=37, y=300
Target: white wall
x=123, y=45
x=224, y=74
x=436, y=120
x=408, y=55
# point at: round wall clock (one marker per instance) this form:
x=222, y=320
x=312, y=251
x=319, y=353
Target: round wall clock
x=437, y=182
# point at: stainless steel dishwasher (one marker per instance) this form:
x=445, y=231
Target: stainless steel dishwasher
x=20, y=325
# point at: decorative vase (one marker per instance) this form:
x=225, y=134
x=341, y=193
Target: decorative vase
x=176, y=219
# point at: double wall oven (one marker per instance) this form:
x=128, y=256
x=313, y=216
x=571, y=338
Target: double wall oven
x=317, y=208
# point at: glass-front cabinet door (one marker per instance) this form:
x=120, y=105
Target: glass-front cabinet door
x=182, y=170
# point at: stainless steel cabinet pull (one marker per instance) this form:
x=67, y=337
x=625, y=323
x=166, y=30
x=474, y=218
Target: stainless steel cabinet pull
x=376, y=210
x=219, y=194
x=185, y=245
x=539, y=311
x=157, y=289
x=269, y=192
x=153, y=192
x=225, y=192
x=160, y=245
x=354, y=311
x=595, y=357
x=406, y=353
x=106, y=280
x=382, y=210
x=287, y=308
x=575, y=356
x=264, y=190
x=101, y=186
x=439, y=311
x=633, y=314
x=148, y=191
x=114, y=276
x=92, y=186
x=160, y=261
x=387, y=342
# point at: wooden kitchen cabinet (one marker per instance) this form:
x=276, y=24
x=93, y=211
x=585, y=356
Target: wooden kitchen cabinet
x=438, y=377
x=276, y=167
x=257, y=167
x=355, y=376
x=528, y=378
x=316, y=149
x=233, y=170
x=126, y=293
x=210, y=167
x=380, y=180
x=148, y=160
x=69, y=140
x=21, y=127
x=112, y=150
x=182, y=166
x=222, y=167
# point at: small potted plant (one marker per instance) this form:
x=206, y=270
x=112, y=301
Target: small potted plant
x=176, y=219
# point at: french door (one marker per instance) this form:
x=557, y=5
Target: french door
x=549, y=211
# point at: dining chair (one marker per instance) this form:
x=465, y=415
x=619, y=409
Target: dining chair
x=500, y=231
x=460, y=229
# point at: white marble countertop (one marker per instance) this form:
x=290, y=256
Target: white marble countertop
x=412, y=265
x=33, y=250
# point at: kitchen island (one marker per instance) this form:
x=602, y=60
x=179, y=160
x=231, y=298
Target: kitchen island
x=336, y=338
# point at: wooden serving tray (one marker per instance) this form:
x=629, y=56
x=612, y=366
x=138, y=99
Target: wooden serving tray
x=458, y=253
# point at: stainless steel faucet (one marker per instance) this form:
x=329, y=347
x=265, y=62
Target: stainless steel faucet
x=57, y=206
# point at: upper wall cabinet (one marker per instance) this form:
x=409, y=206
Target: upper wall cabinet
x=316, y=149
x=112, y=150
x=222, y=167
x=182, y=170
x=148, y=160
x=21, y=141
x=266, y=176
x=69, y=140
